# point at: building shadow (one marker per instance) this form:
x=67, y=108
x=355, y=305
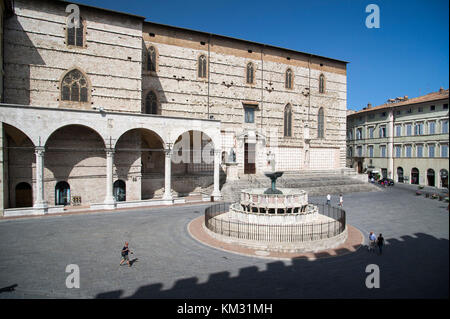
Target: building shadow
x=410, y=267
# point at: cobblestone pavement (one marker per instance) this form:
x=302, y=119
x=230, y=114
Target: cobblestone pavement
x=34, y=253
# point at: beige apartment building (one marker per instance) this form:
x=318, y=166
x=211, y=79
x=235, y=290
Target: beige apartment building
x=405, y=139
x=95, y=113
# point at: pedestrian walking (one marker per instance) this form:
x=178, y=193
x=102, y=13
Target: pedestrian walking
x=125, y=251
x=380, y=243
x=372, y=241
x=341, y=201
x=328, y=199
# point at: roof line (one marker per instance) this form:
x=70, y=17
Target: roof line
x=102, y=9
x=243, y=40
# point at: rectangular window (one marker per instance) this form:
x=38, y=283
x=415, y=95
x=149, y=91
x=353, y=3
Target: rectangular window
x=359, y=134
x=431, y=127
x=249, y=115
x=371, y=132
x=430, y=150
x=418, y=129
x=444, y=150
x=444, y=128
x=419, y=149
x=398, y=130
x=445, y=106
x=432, y=108
x=370, y=149
x=408, y=129
x=350, y=134
x=398, y=151
x=383, y=131
x=420, y=109
x=383, y=151
x=359, y=151
x=408, y=150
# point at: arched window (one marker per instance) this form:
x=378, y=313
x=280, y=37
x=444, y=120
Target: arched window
x=320, y=123
x=151, y=59
x=74, y=87
x=151, y=103
x=202, y=66
x=119, y=190
x=288, y=81
x=321, y=83
x=250, y=73
x=62, y=193
x=288, y=121
x=75, y=35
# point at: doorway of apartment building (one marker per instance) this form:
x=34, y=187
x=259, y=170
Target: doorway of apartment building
x=415, y=176
x=430, y=177
x=400, y=178
x=384, y=173
x=360, y=167
x=24, y=195
x=444, y=178
x=249, y=158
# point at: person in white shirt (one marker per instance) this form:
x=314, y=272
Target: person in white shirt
x=328, y=199
x=341, y=201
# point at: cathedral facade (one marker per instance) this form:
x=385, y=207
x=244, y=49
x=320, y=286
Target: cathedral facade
x=109, y=110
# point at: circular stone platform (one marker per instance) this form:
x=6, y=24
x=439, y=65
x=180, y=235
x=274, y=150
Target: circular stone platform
x=198, y=231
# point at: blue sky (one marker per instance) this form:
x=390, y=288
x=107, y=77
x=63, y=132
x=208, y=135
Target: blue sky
x=407, y=55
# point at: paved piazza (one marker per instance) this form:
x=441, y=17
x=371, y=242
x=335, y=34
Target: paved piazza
x=171, y=264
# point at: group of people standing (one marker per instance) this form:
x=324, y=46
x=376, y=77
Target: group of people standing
x=375, y=241
x=341, y=200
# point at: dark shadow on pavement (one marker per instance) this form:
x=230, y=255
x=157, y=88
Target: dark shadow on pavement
x=412, y=267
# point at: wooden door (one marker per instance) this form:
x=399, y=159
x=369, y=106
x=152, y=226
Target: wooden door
x=249, y=158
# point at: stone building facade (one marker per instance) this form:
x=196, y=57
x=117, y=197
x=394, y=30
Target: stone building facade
x=404, y=139
x=114, y=100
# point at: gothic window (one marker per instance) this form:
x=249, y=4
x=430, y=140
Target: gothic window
x=320, y=123
x=250, y=73
x=151, y=103
x=288, y=121
x=151, y=59
x=202, y=66
x=74, y=87
x=321, y=83
x=75, y=35
x=288, y=82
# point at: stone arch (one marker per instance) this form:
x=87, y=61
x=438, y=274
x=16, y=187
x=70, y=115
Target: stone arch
x=18, y=161
x=140, y=162
x=192, y=162
x=76, y=154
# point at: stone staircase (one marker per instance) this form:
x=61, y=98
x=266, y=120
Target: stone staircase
x=316, y=183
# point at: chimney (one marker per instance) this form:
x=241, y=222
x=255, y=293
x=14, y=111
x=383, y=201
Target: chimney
x=405, y=97
x=441, y=90
x=369, y=105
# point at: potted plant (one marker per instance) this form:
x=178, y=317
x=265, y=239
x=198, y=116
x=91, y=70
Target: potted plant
x=420, y=187
x=434, y=196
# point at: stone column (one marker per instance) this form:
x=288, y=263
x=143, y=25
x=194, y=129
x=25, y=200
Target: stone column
x=109, y=198
x=40, y=204
x=168, y=175
x=216, y=193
